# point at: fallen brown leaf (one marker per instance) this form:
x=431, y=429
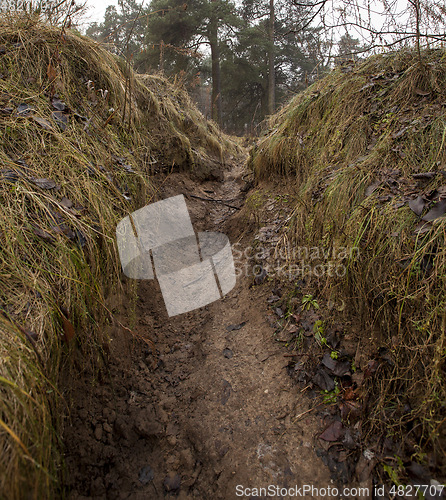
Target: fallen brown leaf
x=51, y=72
x=45, y=124
x=44, y=183
x=69, y=332
x=438, y=211
x=333, y=432
x=417, y=205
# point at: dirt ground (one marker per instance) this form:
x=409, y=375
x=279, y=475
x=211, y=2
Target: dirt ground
x=214, y=414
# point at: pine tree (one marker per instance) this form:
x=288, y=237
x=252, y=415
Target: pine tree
x=260, y=70
x=176, y=31
x=124, y=28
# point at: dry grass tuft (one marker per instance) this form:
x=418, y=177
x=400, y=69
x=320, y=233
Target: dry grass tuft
x=80, y=137
x=380, y=122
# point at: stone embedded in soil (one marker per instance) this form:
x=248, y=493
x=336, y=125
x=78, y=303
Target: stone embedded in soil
x=107, y=427
x=172, y=482
x=146, y=425
x=98, y=432
x=279, y=312
x=227, y=353
x=231, y=328
x=227, y=388
x=146, y=475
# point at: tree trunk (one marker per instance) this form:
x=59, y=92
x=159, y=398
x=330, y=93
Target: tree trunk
x=271, y=74
x=216, y=83
x=417, y=8
x=215, y=57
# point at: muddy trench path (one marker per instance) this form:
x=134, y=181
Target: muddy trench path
x=212, y=416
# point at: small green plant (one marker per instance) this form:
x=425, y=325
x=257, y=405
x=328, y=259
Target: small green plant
x=415, y=270
x=334, y=355
x=298, y=340
x=254, y=203
x=255, y=200
x=309, y=301
x=392, y=473
x=281, y=197
x=331, y=397
x=289, y=310
x=318, y=330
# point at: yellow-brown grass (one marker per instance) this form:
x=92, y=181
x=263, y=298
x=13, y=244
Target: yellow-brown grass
x=332, y=141
x=59, y=262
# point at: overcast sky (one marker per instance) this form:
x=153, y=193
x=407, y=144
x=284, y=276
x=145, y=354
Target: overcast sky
x=97, y=9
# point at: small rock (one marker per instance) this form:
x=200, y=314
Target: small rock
x=227, y=389
x=172, y=482
x=227, y=353
x=231, y=328
x=98, y=432
x=172, y=440
x=279, y=312
x=107, y=427
x=146, y=475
